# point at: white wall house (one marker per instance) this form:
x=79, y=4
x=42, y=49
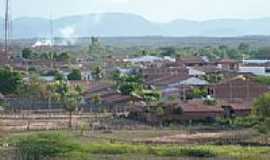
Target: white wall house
x=257, y=70
x=87, y=75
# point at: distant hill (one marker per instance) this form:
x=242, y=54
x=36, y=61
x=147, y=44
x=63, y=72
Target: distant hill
x=122, y=24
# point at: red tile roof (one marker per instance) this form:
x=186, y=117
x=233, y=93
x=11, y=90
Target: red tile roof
x=198, y=106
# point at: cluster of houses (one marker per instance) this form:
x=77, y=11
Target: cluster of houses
x=231, y=84
x=224, y=82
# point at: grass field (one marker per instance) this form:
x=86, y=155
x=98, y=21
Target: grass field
x=119, y=145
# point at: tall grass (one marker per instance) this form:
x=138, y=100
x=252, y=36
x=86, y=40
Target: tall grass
x=40, y=146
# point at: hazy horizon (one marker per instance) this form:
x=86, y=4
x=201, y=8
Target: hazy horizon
x=153, y=10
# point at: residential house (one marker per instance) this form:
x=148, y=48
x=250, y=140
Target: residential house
x=239, y=87
x=154, y=71
x=228, y=64
x=192, y=61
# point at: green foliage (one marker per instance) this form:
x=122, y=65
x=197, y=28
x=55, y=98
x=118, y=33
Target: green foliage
x=65, y=57
x=244, y=47
x=239, y=122
x=27, y=53
x=265, y=80
x=161, y=151
x=150, y=95
x=44, y=146
x=10, y=81
x=59, y=76
x=96, y=99
x=168, y=51
x=98, y=73
x=75, y=75
x=261, y=109
x=264, y=126
x=160, y=111
x=261, y=106
x=199, y=93
x=128, y=84
x=34, y=88
x=96, y=48
x=261, y=53
x=133, y=85
x=69, y=96
x=213, y=78
x=210, y=102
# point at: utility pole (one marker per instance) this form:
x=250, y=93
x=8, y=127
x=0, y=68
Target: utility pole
x=7, y=28
x=51, y=31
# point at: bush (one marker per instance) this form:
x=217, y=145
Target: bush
x=41, y=146
x=239, y=122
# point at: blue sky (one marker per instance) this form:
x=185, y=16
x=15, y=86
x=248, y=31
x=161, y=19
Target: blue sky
x=155, y=10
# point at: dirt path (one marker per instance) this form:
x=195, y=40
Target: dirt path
x=184, y=138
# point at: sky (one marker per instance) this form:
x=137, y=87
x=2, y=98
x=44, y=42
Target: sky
x=154, y=10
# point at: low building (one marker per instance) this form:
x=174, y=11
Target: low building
x=192, y=61
x=237, y=108
x=240, y=87
x=256, y=70
x=199, y=110
x=187, y=111
x=228, y=64
x=153, y=72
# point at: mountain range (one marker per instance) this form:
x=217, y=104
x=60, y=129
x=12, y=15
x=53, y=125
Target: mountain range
x=131, y=25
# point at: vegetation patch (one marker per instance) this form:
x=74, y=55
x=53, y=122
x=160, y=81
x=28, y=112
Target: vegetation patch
x=52, y=145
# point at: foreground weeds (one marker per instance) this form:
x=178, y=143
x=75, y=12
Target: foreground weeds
x=43, y=146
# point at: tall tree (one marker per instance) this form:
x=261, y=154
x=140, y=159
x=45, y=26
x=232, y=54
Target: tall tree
x=10, y=80
x=98, y=73
x=27, y=53
x=75, y=75
x=261, y=109
x=69, y=96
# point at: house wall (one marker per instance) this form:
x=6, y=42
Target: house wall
x=239, y=89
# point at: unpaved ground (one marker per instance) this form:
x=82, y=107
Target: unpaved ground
x=44, y=121
x=201, y=137
x=181, y=136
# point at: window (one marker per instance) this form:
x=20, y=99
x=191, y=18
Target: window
x=267, y=70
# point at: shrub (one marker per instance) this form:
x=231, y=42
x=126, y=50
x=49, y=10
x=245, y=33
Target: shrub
x=41, y=146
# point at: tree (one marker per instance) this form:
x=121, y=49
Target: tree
x=10, y=81
x=75, y=75
x=133, y=85
x=265, y=80
x=63, y=57
x=243, y=47
x=98, y=73
x=27, y=53
x=261, y=109
x=33, y=88
x=144, y=53
x=96, y=48
x=261, y=106
x=70, y=97
x=59, y=76
x=96, y=99
x=168, y=51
